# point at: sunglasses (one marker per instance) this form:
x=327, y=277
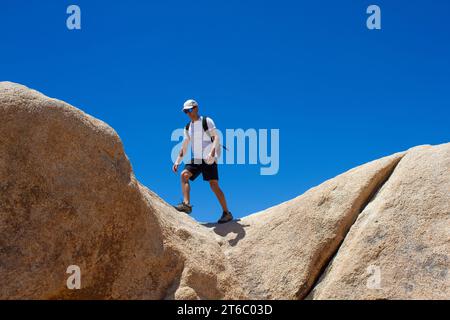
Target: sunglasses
x=189, y=110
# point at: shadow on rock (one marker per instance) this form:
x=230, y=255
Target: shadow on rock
x=223, y=230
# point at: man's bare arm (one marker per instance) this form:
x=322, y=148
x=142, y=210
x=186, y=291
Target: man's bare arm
x=181, y=154
x=216, y=142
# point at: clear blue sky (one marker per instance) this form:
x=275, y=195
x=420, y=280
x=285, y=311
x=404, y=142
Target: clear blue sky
x=340, y=94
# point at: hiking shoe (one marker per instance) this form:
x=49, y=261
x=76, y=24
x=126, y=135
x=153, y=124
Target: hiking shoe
x=226, y=217
x=184, y=207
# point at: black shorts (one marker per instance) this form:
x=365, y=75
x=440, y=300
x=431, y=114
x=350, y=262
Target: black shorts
x=209, y=171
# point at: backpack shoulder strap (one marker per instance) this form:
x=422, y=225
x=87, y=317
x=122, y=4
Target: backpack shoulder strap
x=205, y=127
x=187, y=129
x=205, y=124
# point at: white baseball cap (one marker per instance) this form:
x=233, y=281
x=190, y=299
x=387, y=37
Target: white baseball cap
x=189, y=104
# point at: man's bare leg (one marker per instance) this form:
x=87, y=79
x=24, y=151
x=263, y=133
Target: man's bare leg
x=185, y=187
x=219, y=194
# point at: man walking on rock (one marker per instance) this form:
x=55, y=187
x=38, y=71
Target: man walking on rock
x=201, y=132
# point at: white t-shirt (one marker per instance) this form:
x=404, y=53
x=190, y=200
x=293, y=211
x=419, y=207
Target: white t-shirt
x=200, y=142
